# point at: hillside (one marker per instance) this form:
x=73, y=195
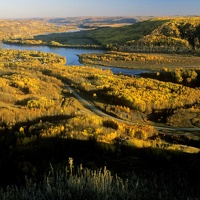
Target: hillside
x=26, y=28
x=88, y=22
x=110, y=37
x=22, y=28
x=159, y=35
x=97, y=37
x=175, y=35
x=154, y=35
x=43, y=126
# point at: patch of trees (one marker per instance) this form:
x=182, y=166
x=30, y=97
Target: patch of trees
x=180, y=35
x=23, y=87
x=186, y=77
x=21, y=58
x=56, y=43
x=140, y=60
x=140, y=94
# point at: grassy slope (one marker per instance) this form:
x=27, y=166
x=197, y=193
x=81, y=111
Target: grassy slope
x=104, y=36
x=121, y=35
x=175, y=34
x=77, y=38
x=179, y=33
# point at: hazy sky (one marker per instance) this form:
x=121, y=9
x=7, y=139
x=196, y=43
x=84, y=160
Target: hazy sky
x=71, y=8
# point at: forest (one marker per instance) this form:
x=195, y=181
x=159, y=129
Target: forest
x=35, y=121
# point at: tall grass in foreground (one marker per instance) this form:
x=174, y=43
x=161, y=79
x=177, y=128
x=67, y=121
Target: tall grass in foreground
x=99, y=185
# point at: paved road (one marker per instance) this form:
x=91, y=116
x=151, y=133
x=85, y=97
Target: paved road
x=89, y=105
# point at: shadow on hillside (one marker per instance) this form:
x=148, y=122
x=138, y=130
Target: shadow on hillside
x=33, y=156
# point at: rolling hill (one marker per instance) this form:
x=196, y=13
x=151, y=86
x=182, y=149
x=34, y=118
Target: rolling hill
x=159, y=35
x=180, y=34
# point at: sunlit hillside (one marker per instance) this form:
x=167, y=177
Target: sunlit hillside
x=175, y=35
x=154, y=35
x=161, y=35
x=26, y=28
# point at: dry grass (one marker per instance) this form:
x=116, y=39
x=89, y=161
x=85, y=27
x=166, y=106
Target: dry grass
x=100, y=185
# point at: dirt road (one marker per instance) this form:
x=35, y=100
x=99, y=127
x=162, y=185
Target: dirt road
x=94, y=109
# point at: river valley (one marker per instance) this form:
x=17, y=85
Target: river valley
x=71, y=55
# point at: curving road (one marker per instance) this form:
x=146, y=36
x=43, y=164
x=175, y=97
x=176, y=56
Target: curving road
x=91, y=107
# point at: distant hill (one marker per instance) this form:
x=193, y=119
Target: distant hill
x=26, y=28
x=88, y=22
x=121, y=35
x=178, y=34
x=159, y=35
x=104, y=37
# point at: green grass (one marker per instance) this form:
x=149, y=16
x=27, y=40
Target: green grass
x=108, y=36
x=77, y=38
x=104, y=36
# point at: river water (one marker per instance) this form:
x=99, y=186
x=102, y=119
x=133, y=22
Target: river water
x=71, y=55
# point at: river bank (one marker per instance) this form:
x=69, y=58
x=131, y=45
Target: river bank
x=148, y=61
x=72, y=56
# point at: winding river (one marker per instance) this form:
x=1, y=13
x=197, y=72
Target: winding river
x=71, y=55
